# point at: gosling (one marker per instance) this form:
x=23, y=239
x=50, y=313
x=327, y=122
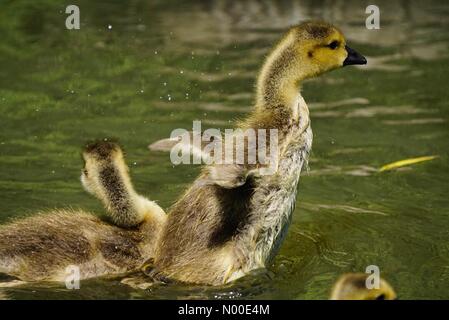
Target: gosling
x=235, y=223
x=231, y=221
x=352, y=286
x=41, y=247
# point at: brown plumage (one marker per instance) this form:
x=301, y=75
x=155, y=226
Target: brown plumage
x=42, y=246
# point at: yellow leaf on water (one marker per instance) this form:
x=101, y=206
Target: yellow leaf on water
x=405, y=162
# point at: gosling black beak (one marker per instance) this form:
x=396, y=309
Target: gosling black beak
x=353, y=57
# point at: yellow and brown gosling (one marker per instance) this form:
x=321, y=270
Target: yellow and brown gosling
x=42, y=246
x=352, y=286
x=217, y=231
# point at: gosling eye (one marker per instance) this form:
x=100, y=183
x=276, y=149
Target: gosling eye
x=333, y=45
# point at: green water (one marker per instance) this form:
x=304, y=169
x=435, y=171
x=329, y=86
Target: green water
x=162, y=64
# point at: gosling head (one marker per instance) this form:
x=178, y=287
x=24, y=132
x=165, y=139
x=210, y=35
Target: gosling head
x=352, y=286
x=322, y=47
x=103, y=161
x=306, y=50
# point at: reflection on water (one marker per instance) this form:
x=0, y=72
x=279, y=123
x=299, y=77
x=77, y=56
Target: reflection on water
x=165, y=63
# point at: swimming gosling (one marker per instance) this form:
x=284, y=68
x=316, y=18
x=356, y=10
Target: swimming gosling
x=352, y=286
x=217, y=231
x=41, y=247
x=235, y=223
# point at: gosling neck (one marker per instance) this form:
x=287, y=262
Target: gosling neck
x=126, y=206
x=120, y=197
x=280, y=78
